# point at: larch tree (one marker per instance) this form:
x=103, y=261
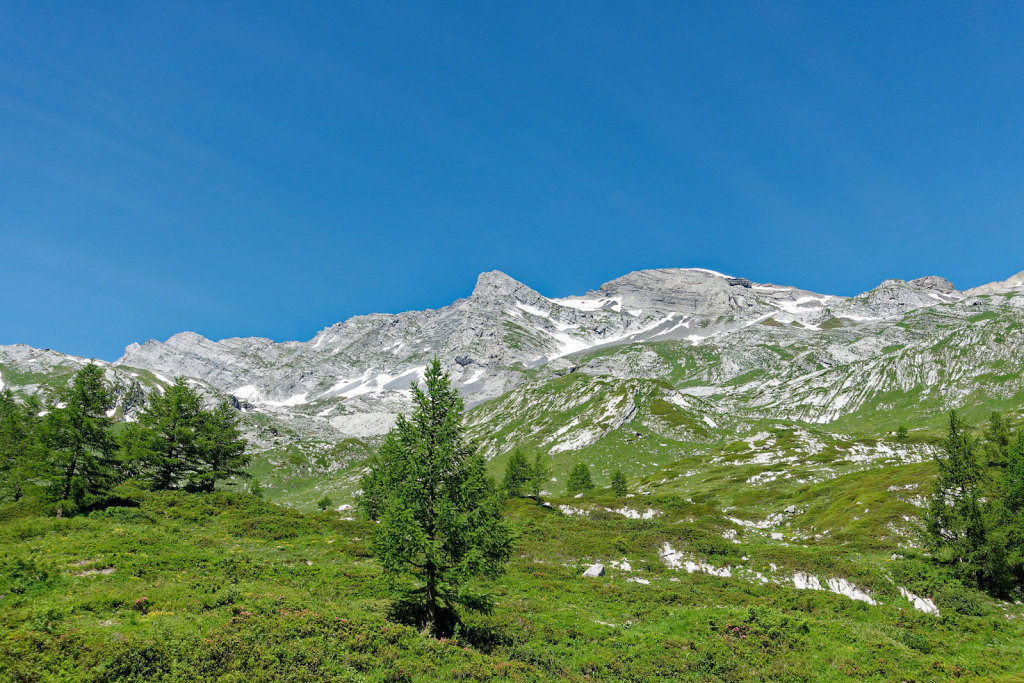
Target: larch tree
x=82, y=455
x=579, y=479
x=619, y=483
x=220, y=449
x=517, y=474
x=21, y=453
x=162, y=443
x=439, y=513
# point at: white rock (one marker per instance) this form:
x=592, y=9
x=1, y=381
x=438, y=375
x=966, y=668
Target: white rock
x=844, y=587
x=920, y=604
x=806, y=582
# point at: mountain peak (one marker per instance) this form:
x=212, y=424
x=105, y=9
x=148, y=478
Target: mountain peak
x=939, y=284
x=495, y=282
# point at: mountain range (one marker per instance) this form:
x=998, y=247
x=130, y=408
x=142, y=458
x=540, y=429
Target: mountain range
x=676, y=359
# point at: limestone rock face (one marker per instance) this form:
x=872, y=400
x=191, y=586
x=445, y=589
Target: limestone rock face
x=353, y=377
x=1013, y=283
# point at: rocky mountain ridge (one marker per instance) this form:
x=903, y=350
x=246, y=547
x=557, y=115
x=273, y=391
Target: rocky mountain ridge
x=505, y=326
x=504, y=332
x=647, y=369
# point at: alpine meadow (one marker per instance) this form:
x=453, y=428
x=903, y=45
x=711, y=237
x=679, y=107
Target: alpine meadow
x=681, y=475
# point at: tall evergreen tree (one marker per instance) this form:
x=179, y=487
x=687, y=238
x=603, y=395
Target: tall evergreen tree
x=21, y=454
x=579, y=479
x=177, y=443
x=82, y=455
x=1010, y=515
x=440, y=515
x=162, y=444
x=220, y=449
x=619, y=483
x=958, y=523
x=517, y=474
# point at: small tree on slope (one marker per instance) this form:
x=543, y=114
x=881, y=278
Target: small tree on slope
x=579, y=479
x=619, y=483
x=517, y=474
x=539, y=475
x=440, y=515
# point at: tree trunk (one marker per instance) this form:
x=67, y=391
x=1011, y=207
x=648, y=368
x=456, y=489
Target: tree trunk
x=68, y=477
x=431, y=601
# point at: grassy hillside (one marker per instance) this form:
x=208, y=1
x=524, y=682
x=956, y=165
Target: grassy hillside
x=228, y=587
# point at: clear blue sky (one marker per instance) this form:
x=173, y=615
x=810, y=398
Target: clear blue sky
x=270, y=168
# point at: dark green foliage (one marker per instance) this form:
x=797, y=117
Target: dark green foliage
x=539, y=475
x=517, y=475
x=162, y=444
x=975, y=520
x=902, y=433
x=325, y=503
x=71, y=455
x=21, y=453
x=177, y=443
x=579, y=479
x=440, y=515
x=82, y=460
x=221, y=450
x=619, y=487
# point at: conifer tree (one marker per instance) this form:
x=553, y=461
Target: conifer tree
x=220, y=449
x=539, y=475
x=21, y=454
x=162, y=445
x=178, y=443
x=517, y=474
x=579, y=479
x=619, y=483
x=440, y=515
x=82, y=458
x=958, y=523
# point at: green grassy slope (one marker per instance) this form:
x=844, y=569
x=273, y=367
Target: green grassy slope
x=227, y=587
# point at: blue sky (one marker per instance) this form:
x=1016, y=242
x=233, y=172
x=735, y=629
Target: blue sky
x=268, y=169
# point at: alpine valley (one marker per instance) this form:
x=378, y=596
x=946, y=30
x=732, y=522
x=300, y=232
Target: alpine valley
x=778, y=448
x=674, y=375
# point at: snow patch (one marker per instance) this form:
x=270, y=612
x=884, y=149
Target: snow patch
x=532, y=310
x=245, y=393
x=477, y=374
x=586, y=303
x=296, y=400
